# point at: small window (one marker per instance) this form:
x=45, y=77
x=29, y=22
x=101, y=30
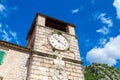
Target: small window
x=2, y=54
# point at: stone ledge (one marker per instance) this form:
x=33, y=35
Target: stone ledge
x=14, y=46
x=54, y=57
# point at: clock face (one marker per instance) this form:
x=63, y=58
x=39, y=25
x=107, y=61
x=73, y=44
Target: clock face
x=59, y=42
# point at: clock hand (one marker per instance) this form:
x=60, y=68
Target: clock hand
x=56, y=39
x=62, y=43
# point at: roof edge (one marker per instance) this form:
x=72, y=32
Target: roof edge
x=14, y=46
x=55, y=19
x=37, y=14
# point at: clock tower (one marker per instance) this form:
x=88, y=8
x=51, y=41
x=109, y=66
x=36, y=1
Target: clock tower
x=55, y=53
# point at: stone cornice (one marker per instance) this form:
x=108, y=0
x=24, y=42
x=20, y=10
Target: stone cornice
x=14, y=46
x=54, y=57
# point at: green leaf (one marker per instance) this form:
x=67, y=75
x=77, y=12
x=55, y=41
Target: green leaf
x=76, y=37
x=53, y=49
x=58, y=32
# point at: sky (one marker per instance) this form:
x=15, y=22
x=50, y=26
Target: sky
x=97, y=24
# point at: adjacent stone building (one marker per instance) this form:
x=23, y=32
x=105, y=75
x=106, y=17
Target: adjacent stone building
x=51, y=54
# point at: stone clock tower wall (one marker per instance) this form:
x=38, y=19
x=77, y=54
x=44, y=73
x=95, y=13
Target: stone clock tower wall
x=41, y=34
x=43, y=63
x=15, y=61
x=40, y=60
x=42, y=43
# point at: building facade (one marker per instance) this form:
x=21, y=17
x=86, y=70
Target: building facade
x=52, y=53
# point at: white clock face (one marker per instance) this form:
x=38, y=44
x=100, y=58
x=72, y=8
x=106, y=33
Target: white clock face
x=59, y=42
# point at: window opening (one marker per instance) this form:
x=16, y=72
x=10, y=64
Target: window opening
x=56, y=24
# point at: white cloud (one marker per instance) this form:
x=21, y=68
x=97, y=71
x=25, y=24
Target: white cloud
x=5, y=31
x=14, y=35
x=102, y=41
x=105, y=20
x=75, y=11
x=5, y=36
x=107, y=23
x=6, y=25
x=109, y=54
x=116, y=4
x=103, y=30
x=5, y=10
x=2, y=8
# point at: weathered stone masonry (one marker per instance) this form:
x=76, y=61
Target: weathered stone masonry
x=14, y=66
x=38, y=61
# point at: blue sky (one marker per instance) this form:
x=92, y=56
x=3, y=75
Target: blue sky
x=97, y=24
